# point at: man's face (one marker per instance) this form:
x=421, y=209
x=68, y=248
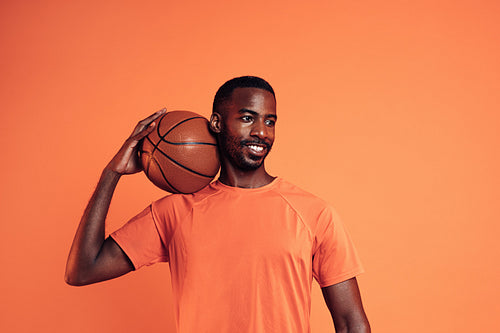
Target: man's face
x=247, y=127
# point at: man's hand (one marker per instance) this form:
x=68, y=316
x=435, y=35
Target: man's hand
x=127, y=160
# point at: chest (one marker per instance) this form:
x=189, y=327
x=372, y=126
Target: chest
x=243, y=231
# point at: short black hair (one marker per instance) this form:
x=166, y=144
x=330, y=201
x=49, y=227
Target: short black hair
x=226, y=90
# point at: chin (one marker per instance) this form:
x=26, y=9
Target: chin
x=249, y=165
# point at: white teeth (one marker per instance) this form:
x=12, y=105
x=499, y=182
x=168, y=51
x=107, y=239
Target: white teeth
x=256, y=148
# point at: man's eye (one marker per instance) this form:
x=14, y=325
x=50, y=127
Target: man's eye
x=246, y=118
x=270, y=122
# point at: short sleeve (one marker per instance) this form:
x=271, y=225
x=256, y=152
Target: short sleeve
x=140, y=240
x=334, y=258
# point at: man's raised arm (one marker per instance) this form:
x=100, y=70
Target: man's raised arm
x=92, y=258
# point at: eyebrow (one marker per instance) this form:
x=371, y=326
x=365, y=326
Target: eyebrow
x=253, y=113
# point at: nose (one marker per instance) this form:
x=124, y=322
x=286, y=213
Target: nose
x=259, y=130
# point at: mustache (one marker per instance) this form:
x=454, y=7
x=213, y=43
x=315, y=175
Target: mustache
x=255, y=142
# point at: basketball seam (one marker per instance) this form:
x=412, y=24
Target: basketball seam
x=164, y=177
x=178, y=163
x=183, y=166
x=189, y=143
x=179, y=143
x=162, y=139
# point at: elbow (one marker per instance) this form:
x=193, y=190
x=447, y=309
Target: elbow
x=76, y=281
x=75, y=277
x=364, y=327
x=72, y=281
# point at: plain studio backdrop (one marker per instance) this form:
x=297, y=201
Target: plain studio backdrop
x=389, y=110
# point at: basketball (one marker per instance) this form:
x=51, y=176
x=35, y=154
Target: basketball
x=180, y=155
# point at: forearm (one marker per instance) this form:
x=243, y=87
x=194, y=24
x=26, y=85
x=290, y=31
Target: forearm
x=90, y=234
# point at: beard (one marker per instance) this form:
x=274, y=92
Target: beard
x=232, y=148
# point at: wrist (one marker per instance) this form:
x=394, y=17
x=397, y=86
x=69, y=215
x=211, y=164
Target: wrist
x=110, y=174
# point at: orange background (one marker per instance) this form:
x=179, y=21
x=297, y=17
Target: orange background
x=388, y=109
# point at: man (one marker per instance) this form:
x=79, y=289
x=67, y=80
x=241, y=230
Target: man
x=243, y=250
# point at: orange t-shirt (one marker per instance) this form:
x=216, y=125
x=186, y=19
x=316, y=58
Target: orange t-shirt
x=242, y=260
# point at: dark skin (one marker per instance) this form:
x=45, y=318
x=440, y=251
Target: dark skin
x=344, y=302
x=251, y=117
x=92, y=258
x=245, y=127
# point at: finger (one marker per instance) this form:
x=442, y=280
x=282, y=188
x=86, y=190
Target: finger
x=152, y=117
x=145, y=122
x=139, y=136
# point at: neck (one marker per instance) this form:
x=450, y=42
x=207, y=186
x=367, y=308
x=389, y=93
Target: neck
x=245, y=179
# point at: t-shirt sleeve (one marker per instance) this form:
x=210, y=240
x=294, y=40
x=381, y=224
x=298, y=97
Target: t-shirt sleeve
x=140, y=239
x=334, y=259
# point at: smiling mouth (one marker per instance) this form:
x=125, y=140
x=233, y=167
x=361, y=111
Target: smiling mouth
x=256, y=148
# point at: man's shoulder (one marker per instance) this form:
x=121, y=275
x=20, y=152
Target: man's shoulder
x=299, y=198
x=289, y=189
x=185, y=200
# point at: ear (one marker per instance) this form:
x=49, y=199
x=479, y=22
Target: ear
x=216, y=122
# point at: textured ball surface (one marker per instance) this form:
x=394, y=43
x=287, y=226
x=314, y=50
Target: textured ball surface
x=180, y=155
